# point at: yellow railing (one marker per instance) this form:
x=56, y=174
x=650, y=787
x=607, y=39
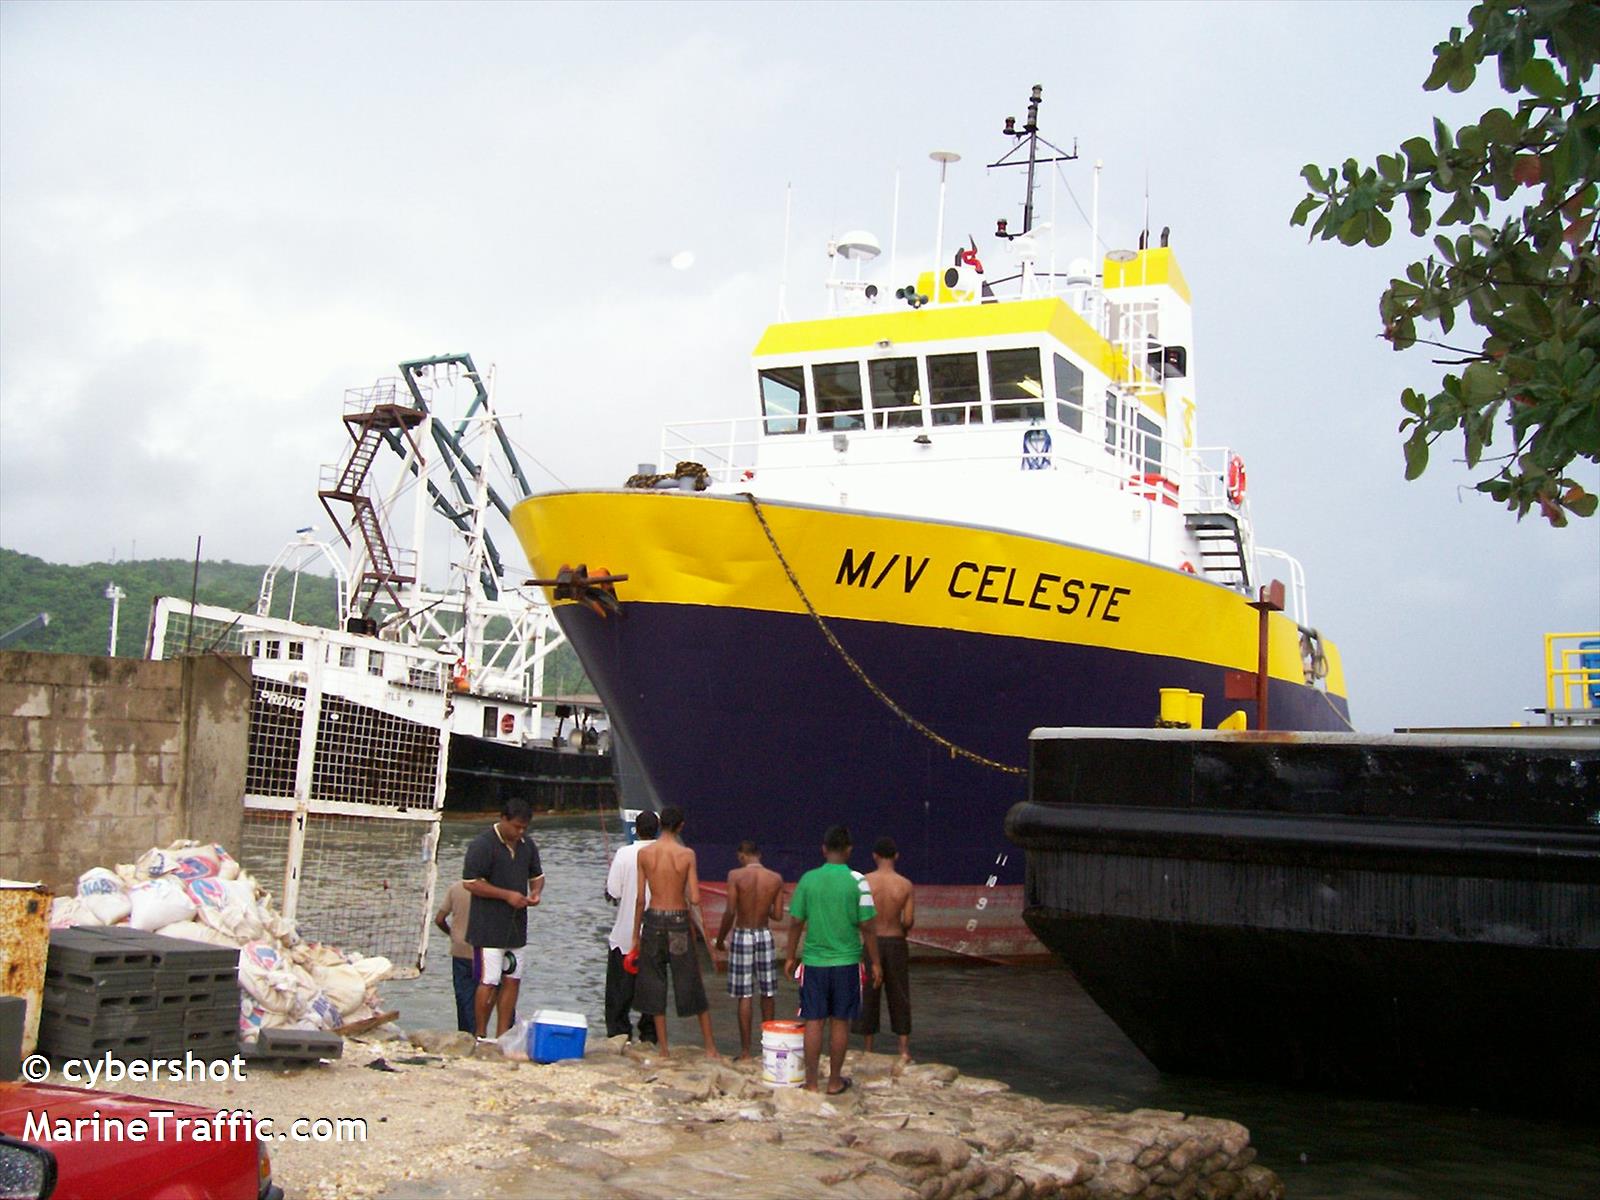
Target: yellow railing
x=1571, y=671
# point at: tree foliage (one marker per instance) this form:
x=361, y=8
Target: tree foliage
x=80, y=614
x=1517, y=191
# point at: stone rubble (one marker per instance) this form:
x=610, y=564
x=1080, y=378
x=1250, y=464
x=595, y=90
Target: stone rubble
x=623, y=1124
x=692, y=1127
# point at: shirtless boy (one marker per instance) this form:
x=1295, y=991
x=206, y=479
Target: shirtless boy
x=754, y=893
x=663, y=936
x=896, y=906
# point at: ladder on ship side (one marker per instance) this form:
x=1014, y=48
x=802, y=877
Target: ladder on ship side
x=368, y=426
x=1223, y=556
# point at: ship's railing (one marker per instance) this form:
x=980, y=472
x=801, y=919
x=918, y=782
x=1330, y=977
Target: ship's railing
x=1572, y=678
x=1117, y=454
x=1298, y=606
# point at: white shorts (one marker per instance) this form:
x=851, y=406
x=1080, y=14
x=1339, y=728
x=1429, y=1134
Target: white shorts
x=495, y=965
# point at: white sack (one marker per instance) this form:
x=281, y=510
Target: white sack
x=266, y=975
x=66, y=911
x=194, y=931
x=104, y=895
x=157, y=903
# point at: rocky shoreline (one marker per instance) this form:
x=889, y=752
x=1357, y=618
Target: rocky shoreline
x=445, y=1119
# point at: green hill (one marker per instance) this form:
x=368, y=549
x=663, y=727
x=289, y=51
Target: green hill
x=80, y=614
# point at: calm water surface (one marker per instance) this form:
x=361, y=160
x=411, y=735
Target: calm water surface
x=1035, y=1029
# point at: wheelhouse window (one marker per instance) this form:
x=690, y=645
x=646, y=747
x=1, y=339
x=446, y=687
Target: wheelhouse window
x=1016, y=385
x=1147, y=440
x=838, y=388
x=374, y=662
x=953, y=389
x=896, y=393
x=1069, y=393
x=783, y=399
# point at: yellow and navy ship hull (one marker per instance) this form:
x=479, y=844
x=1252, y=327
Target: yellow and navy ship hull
x=949, y=644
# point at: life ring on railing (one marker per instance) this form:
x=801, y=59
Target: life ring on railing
x=458, y=678
x=1236, y=480
x=1186, y=567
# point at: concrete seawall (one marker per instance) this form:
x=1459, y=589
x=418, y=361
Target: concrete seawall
x=102, y=758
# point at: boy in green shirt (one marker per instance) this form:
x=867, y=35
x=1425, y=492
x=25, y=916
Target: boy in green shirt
x=832, y=906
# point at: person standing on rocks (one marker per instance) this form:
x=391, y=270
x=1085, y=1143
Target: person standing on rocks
x=622, y=887
x=503, y=874
x=452, y=918
x=663, y=934
x=895, y=901
x=755, y=897
x=832, y=907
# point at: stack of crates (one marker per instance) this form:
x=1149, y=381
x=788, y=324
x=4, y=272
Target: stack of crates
x=137, y=995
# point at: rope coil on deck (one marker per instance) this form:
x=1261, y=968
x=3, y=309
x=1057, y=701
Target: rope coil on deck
x=888, y=701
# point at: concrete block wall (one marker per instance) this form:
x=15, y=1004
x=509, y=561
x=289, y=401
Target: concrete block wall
x=102, y=758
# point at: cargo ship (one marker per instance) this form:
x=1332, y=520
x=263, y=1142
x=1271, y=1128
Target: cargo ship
x=967, y=501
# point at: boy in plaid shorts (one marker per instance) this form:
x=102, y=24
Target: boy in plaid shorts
x=754, y=899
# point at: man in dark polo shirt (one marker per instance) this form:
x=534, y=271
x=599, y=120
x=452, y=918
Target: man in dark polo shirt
x=502, y=872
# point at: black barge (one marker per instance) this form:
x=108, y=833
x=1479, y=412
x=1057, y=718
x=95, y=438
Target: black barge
x=1415, y=915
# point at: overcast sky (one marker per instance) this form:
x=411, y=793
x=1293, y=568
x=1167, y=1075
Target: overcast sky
x=216, y=218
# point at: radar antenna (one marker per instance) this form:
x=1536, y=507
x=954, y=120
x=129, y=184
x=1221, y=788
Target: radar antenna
x=1028, y=136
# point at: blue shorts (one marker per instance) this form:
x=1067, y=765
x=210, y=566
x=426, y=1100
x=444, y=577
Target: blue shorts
x=830, y=992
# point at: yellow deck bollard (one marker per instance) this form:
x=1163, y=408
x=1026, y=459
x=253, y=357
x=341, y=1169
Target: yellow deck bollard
x=1175, y=705
x=1235, y=720
x=1197, y=703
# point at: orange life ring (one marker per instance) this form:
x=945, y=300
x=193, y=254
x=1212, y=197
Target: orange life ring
x=1186, y=567
x=1236, y=480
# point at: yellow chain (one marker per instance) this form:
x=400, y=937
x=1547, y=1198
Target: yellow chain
x=888, y=702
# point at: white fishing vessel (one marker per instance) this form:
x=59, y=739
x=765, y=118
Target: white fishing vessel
x=463, y=658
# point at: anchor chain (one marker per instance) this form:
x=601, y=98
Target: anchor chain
x=855, y=667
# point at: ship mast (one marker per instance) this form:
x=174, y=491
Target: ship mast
x=1028, y=136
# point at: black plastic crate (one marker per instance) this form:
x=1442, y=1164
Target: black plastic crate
x=111, y=1022
x=66, y=997
x=81, y=1044
x=88, y=951
x=311, y=1044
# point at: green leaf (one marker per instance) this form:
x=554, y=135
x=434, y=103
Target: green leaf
x=1539, y=77
x=1378, y=228
x=1413, y=402
x=1354, y=230
x=1304, y=209
x=1421, y=216
x=1419, y=153
x=1392, y=167
x=1313, y=176
x=1583, y=504
x=1416, y=451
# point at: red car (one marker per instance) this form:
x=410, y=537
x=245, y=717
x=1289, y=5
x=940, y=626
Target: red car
x=63, y=1143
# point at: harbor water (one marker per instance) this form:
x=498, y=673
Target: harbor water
x=1035, y=1029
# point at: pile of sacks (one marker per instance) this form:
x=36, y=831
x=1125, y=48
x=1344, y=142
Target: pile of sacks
x=189, y=890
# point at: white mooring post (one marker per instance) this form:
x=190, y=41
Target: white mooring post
x=310, y=720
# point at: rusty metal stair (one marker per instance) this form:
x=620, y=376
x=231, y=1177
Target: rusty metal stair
x=367, y=429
